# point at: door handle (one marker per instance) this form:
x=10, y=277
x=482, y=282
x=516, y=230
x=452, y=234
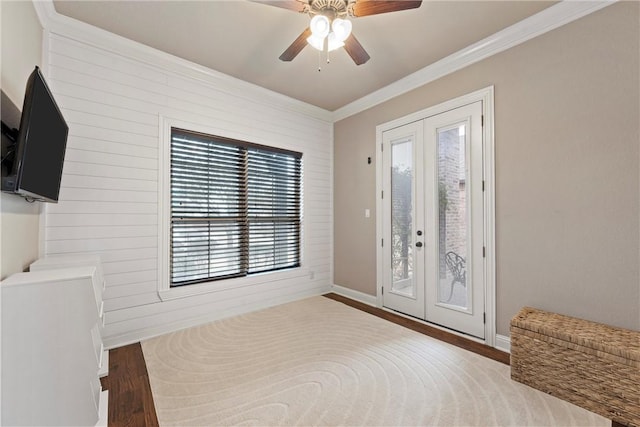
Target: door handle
x=419, y=244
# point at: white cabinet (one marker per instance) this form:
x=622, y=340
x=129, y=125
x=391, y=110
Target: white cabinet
x=52, y=347
x=66, y=261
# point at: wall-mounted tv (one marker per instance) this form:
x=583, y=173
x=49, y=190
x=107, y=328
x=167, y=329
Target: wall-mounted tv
x=34, y=154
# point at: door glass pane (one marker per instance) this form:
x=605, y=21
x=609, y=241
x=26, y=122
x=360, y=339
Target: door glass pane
x=402, y=263
x=452, y=217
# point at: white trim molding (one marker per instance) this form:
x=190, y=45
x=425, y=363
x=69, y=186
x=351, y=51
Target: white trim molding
x=355, y=295
x=63, y=25
x=503, y=343
x=549, y=19
x=489, y=216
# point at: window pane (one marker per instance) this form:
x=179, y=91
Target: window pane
x=273, y=245
x=204, y=249
x=402, y=217
x=452, y=216
x=274, y=185
x=273, y=210
x=206, y=178
x=235, y=208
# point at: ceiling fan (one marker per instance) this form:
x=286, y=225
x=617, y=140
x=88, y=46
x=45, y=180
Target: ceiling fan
x=330, y=28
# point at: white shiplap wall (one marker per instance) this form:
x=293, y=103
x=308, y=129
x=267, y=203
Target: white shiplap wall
x=110, y=201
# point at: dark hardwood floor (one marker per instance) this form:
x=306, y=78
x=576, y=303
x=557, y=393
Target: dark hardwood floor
x=130, y=399
x=131, y=402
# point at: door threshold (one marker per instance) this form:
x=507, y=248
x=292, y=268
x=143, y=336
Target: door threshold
x=435, y=325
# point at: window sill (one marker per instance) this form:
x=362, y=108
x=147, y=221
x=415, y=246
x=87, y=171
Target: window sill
x=186, y=291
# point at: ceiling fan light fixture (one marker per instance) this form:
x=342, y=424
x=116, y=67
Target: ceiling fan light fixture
x=333, y=42
x=316, y=42
x=341, y=28
x=336, y=31
x=330, y=18
x=320, y=26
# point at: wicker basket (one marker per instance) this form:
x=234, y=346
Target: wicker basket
x=592, y=365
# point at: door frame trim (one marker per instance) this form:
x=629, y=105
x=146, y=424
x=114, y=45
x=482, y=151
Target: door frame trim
x=486, y=95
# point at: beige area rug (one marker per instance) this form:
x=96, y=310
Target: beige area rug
x=320, y=362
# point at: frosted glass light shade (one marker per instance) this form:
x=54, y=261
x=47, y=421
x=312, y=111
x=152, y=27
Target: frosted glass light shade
x=341, y=28
x=320, y=26
x=333, y=42
x=316, y=42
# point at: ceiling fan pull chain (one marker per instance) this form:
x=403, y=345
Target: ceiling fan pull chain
x=319, y=61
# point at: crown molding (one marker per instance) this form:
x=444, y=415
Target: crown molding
x=55, y=23
x=549, y=19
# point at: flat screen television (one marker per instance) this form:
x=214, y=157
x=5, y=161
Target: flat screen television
x=35, y=154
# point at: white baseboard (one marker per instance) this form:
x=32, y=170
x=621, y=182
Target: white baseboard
x=103, y=409
x=139, y=335
x=103, y=371
x=503, y=343
x=356, y=295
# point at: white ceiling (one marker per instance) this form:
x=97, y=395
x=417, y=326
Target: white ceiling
x=244, y=39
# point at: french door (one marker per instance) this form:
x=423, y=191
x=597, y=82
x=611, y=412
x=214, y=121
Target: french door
x=433, y=219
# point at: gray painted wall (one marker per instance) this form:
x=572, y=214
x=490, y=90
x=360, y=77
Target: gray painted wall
x=567, y=108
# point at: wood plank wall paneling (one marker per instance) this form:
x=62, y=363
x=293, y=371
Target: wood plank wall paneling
x=109, y=197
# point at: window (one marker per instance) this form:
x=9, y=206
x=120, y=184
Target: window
x=235, y=208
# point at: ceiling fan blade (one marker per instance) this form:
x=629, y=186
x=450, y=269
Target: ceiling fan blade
x=374, y=7
x=296, y=47
x=355, y=50
x=295, y=5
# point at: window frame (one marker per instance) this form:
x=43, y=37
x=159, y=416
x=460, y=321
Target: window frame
x=165, y=291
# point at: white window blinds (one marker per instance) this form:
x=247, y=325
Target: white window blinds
x=235, y=208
